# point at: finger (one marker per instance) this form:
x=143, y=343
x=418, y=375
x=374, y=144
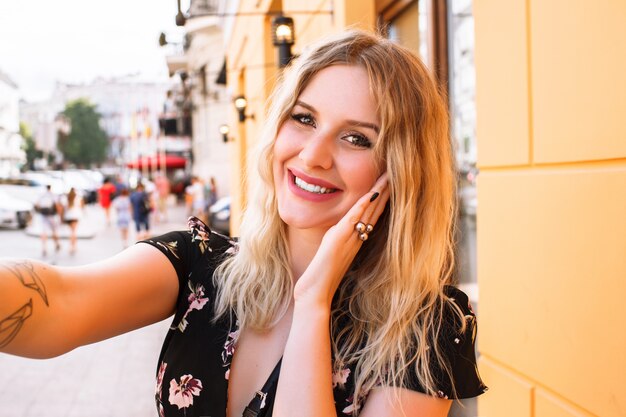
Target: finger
x=379, y=198
x=366, y=204
x=377, y=210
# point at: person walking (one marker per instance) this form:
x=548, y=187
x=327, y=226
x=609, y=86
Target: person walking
x=105, y=196
x=123, y=211
x=163, y=189
x=141, y=207
x=72, y=205
x=48, y=208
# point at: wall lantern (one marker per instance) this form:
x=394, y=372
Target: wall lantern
x=241, y=104
x=225, y=130
x=282, y=38
x=180, y=17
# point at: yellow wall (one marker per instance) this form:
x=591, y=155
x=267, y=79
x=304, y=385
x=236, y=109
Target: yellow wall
x=551, y=104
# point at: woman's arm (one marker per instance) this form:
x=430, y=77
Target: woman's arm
x=47, y=310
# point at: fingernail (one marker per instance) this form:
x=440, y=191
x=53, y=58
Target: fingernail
x=374, y=197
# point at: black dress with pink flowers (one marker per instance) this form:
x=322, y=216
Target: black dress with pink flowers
x=194, y=364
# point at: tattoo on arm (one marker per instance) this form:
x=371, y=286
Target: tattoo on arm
x=24, y=271
x=10, y=326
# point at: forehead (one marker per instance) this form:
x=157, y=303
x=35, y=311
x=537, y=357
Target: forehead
x=342, y=90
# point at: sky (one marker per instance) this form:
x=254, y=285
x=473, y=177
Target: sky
x=76, y=41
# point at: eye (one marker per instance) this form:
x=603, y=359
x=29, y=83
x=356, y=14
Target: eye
x=304, y=119
x=358, y=140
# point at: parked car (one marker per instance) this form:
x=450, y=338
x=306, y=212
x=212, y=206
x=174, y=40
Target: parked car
x=219, y=216
x=22, y=188
x=14, y=211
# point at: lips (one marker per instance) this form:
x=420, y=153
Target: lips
x=310, y=184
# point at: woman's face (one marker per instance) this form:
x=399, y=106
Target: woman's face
x=324, y=153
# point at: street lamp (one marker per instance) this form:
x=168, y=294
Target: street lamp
x=282, y=38
x=241, y=103
x=225, y=130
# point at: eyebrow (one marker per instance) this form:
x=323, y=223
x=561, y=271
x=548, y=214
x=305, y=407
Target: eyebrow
x=358, y=123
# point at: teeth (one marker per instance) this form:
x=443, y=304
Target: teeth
x=312, y=188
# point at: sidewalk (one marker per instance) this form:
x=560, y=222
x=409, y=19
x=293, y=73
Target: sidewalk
x=112, y=378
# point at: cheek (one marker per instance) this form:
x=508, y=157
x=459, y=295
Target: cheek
x=361, y=174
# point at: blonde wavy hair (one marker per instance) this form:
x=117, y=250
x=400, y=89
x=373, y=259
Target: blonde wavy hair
x=388, y=311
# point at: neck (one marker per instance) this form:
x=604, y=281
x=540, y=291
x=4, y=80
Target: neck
x=303, y=245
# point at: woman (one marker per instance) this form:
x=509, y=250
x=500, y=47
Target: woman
x=334, y=300
x=105, y=196
x=72, y=211
x=123, y=210
x=141, y=206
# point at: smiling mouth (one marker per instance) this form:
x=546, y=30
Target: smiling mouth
x=315, y=189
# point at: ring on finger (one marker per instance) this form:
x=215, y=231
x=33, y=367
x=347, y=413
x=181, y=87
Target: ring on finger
x=361, y=227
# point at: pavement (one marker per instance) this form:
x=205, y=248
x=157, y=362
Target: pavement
x=112, y=378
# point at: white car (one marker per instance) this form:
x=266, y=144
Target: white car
x=14, y=211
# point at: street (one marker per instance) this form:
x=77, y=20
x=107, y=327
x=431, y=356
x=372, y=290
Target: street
x=112, y=378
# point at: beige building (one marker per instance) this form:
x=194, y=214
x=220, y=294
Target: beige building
x=545, y=129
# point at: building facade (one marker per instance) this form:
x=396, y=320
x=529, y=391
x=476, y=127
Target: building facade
x=12, y=157
x=200, y=92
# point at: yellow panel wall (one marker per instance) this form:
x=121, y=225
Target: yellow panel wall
x=550, y=405
x=502, y=125
x=519, y=392
x=551, y=267
x=552, y=227
x=578, y=79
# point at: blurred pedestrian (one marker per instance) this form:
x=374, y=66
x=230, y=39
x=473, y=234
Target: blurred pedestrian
x=141, y=207
x=123, y=209
x=196, y=195
x=72, y=205
x=48, y=208
x=163, y=189
x=210, y=198
x=105, y=195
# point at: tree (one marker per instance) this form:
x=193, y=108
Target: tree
x=29, y=146
x=86, y=142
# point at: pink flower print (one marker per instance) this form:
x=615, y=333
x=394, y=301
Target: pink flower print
x=340, y=377
x=229, y=346
x=161, y=410
x=181, y=394
x=229, y=351
x=200, y=232
x=196, y=300
x=159, y=384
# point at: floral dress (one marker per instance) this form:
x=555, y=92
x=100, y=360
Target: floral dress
x=194, y=364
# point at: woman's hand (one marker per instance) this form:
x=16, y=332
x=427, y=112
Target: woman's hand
x=339, y=247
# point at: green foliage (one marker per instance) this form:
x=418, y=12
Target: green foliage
x=86, y=143
x=29, y=146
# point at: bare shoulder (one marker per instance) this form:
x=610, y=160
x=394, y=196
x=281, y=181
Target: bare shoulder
x=382, y=403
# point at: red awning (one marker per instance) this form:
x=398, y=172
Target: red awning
x=170, y=161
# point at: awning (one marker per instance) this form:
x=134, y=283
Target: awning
x=170, y=161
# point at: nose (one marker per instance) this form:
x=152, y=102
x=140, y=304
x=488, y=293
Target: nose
x=317, y=151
